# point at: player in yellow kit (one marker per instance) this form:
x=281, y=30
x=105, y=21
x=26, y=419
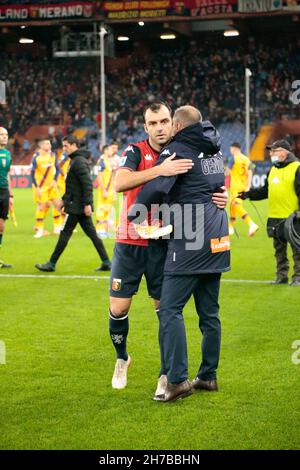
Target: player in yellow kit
x=108, y=164
x=240, y=180
x=64, y=163
x=45, y=171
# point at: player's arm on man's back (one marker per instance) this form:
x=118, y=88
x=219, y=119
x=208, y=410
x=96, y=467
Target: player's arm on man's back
x=128, y=177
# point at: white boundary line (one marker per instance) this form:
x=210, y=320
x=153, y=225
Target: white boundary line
x=53, y=276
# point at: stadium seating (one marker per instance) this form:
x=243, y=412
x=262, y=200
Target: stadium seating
x=210, y=77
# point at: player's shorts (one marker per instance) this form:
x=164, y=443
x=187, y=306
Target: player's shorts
x=4, y=203
x=130, y=262
x=103, y=203
x=47, y=195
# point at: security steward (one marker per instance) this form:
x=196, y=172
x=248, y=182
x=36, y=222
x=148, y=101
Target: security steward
x=198, y=251
x=282, y=188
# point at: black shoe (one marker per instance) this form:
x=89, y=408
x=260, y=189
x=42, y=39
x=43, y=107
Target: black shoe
x=295, y=284
x=175, y=391
x=209, y=385
x=5, y=265
x=280, y=280
x=104, y=267
x=47, y=267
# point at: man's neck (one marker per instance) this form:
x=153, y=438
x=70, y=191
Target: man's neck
x=2, y=146
x=155, y=146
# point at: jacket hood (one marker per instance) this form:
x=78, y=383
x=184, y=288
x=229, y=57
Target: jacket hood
x=80, y=153
x=203, y=136
x=289, y=159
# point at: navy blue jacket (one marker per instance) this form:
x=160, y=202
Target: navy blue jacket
x=207, y=251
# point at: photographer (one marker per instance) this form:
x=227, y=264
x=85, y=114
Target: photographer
x=282, y=188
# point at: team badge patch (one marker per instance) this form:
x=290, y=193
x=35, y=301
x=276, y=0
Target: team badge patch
x=218, y=245
x=116, y=284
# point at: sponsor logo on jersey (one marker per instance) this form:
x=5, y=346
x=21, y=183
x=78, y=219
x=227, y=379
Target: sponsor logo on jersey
x=148, y=157
x=218, y=245
x=116, y=284
x=276, y=180
x=166, y=152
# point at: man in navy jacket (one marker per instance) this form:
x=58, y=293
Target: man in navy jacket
x=198, y=251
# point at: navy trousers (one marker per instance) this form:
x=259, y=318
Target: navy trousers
x=176, y=291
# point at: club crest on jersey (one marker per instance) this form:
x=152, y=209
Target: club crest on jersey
x=148, y=157
x=166, y=152
x=116, y=284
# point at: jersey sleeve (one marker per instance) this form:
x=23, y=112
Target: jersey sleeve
x=101, y=166
x=230, y=162
x=33, y=169
x=131, y=158
x=57, y=168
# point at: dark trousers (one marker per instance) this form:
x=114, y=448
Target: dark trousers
x=282, y=262
x=87, y=226
x=176, y=292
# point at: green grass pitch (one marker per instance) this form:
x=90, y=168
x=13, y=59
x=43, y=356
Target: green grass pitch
x=55, y=387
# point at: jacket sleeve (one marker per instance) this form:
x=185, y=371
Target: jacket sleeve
x=152, y=193
x=259, y=193
x=297, y=184
x=81, y=170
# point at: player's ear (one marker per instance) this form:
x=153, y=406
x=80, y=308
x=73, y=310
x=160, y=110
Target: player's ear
x=146, y=129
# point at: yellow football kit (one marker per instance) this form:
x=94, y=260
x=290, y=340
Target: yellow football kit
x=106, y=171
x=44, y=167
x=64, y=164
x=238, y=183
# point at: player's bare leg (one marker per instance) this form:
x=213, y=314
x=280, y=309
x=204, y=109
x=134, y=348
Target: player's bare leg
x=42, y=209
x=57, y=219
x=2, y=228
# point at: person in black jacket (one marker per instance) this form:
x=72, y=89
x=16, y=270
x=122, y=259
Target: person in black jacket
x=198, y=251
x=78, y=205
x=282, y=189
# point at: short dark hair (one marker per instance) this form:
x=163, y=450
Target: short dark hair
x=71, y=139
x=236, y=144
x=42, y=139
x=155, y=107
x=104, y=147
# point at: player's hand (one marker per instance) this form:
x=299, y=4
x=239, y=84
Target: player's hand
x=242, y=195
x=220, y=198
x=88, y=210
x=171, y=167
x=60, y=205
x=38, y=192
x=11, y=203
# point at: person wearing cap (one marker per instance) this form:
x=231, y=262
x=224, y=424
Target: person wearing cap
x=241, y=172
x=282, y=188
